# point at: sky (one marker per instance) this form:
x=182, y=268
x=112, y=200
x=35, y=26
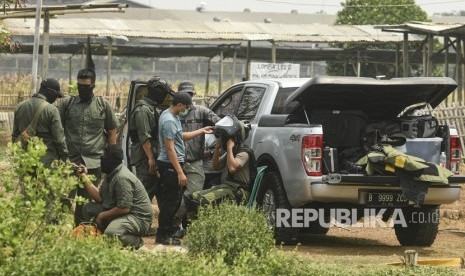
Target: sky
x=303, y=6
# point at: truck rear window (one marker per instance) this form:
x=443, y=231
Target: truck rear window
x=281, y=97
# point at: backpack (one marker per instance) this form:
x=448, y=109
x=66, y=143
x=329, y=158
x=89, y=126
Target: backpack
x=133, y=133
x=383, y=132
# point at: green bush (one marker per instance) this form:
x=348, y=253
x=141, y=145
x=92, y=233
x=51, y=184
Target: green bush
x=30, y=199
x=97, y=256
x=229, y=230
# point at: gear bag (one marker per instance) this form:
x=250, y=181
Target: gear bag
x=341, y=128
x=419, y=127
x=383, y=132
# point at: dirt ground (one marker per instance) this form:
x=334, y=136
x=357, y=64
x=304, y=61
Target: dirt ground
x=368, y=247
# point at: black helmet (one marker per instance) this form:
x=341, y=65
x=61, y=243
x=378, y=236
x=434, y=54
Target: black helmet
x=160, y=83
x=157, y=89
x=231, y=127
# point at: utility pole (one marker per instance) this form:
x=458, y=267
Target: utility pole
x=35, y=51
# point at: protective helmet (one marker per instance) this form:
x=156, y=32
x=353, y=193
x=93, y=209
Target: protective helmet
x=158, y=88
x=159, y=82
x=231, y=127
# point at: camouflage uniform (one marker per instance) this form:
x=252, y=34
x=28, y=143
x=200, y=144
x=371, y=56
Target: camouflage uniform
x=234, y=187
x=122, y=189
x=143, y=124
x=85, y=124
x=49, y=127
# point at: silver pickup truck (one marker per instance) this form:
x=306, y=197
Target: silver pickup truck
x=289, y=136
x=302, y=130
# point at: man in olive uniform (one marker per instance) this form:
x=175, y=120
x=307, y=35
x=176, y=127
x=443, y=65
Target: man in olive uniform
x=197, y=117
x=239, y=171
x=90, y=124
x=48, y=126
x=122, y=208
x=143, y=130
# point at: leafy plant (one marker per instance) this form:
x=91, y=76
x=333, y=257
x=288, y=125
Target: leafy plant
x=93, y=256
x=31, y=198
x=229, y=230
x=373, y=12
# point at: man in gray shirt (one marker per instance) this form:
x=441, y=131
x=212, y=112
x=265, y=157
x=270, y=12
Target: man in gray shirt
x=170, y=162
x=197, y=117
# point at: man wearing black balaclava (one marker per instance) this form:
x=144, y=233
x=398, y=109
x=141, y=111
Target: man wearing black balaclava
x=121, y=207
x=48, y=124
x=90, y=124
x=143, y=130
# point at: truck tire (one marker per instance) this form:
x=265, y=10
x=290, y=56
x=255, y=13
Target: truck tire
x=271, y=197
x=314, y=227
x=422, y=226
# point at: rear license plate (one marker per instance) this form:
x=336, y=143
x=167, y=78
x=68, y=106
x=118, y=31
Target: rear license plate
x=386, y=199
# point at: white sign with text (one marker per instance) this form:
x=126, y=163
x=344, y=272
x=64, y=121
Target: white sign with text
x=260, y=70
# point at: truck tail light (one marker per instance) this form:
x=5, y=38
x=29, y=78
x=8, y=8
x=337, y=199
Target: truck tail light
x=455, y=154
x=312, y=158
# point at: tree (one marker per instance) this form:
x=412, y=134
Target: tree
x=4, y=39
x=374, y=12
x=6, y=45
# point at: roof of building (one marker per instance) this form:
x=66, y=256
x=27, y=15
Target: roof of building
x=423, y=28
x=154, y=28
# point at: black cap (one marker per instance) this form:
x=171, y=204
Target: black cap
x=186, y=86
x=160, y=83
x=53, y=84
x=182, y=97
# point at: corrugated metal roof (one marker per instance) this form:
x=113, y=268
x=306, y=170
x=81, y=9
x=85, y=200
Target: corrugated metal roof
x=196, y=30
x=441, y=29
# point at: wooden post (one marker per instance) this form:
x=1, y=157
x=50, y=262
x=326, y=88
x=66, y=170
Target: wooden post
x=458, y=65
x=463, y=71
x=207, y=81
x=425, y=63
x=234, y=67
x=430, y=55
x=345, y=68
x=273, y=51
x=405, y=56
x=45, y=48
x=110, y=48
x=446, y=56
x=83, y=56
x=397, y=60
x=411, y=258
x=69, y=74
x=35, y=50
x=247, y=68
x=220, y=77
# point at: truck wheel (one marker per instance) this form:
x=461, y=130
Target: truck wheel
x=314, y=227
x=271, y=197
x=422, y=226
